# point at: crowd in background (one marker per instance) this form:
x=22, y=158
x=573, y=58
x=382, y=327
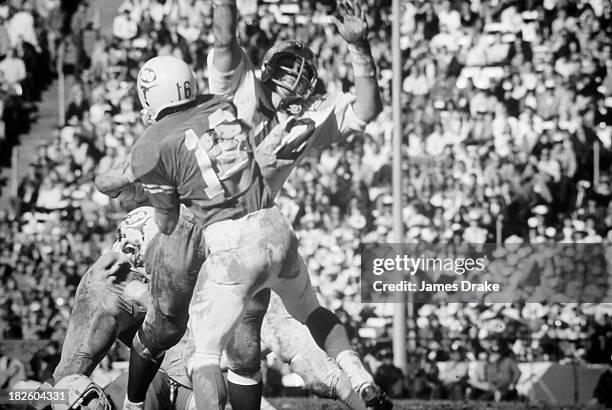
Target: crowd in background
x=506, y=106
x=25, y=69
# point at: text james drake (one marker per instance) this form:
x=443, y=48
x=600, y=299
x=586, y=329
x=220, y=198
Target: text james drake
x=463, y=286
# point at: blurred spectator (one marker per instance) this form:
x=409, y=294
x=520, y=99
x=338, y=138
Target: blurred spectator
x=77, y=107
x=389, y=377
x=124, y=27
x=502, y=373
x=12, y=371
x=82, y=20
x=22, y=28
x=24, y=69
x=425, y=382
x=43, y=362
x=455, y=375
x=13, y=69
x=480, y=386
x=5, y=40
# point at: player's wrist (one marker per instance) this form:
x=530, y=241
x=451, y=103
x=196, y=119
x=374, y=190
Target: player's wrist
x=224, y=3
x=362, y=59
x=360, y=43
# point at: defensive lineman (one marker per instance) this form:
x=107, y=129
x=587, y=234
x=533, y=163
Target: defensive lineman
x=218, y=182
x=286, y=90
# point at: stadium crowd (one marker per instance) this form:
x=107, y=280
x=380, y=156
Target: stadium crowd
x=25, y=68
x=506, y=106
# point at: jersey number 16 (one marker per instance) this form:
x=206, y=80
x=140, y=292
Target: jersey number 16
x=184, y=91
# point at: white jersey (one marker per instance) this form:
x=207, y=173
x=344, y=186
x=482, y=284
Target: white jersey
x=332, y=116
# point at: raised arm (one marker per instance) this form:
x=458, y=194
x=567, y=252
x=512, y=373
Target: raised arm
x=227, y=50
x=352, y=26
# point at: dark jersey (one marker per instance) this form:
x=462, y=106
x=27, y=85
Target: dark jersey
x=200, y=156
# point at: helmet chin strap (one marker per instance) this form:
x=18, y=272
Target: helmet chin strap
x=146, y=117
x=292, y=105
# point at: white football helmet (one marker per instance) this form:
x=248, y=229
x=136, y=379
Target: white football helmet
x=81, y=392
x=134, y=233
x=164, y=81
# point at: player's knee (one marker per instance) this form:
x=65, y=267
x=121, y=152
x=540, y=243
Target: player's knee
x=170, y=309
x=98, y=295
x=172, y=333
x=243, y=354
x=319, y=388
x=244, y=365
x=320, y=323
x=257, y=307
x=245, y=346
x=164, y=333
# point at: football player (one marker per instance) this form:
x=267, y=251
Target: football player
x=286, y=92
x=197, y=153
x=112, y=299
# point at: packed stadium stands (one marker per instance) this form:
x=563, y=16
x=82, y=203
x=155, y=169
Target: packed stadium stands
x=25, y=70
x=506, y=106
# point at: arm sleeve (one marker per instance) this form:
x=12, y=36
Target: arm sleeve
x=239, y=85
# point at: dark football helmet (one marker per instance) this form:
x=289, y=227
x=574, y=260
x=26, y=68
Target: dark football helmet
x=291, y=66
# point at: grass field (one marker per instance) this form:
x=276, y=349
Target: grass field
x=321, y=404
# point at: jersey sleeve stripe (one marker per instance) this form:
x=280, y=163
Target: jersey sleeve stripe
x=159, y=190
x=160, y=186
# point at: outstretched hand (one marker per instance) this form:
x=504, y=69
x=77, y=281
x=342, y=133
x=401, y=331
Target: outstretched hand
x=351, y=20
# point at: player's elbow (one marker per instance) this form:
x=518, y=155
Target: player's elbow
x=368, y=112
x=113, y=181
x=374, y=111
x=104, y=185
x=376, y=106
x=227, y=54
x=100, y=183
